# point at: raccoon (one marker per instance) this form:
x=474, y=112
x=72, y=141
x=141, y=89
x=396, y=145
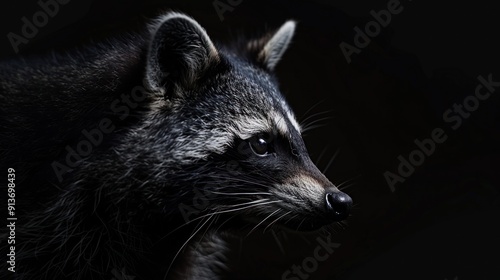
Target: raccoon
x=113, y=141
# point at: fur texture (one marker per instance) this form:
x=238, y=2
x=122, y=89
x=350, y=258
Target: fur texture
x=168, y=115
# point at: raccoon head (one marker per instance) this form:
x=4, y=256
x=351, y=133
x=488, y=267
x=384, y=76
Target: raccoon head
x=221, y=126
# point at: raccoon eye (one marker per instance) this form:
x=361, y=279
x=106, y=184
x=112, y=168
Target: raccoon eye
x=259, y=145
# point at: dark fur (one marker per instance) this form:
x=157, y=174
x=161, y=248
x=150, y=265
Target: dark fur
x=118, y=207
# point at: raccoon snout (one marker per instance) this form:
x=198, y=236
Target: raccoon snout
x=338, y=204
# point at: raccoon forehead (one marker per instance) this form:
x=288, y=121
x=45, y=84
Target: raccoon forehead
x=195, y=139
x=260, y=95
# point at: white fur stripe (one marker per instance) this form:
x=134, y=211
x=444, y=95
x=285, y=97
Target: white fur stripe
x=279, y=122
x=294, y=122
x=248, y=126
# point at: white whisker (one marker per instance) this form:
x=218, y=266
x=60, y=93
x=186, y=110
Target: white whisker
x=246, y=203
x=238, y=193
x=246, y=207
x=183, y=245
x=269, y=216
x=273, y=222
x=252, y=203
x=331, y=161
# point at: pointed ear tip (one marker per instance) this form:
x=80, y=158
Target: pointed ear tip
x=173, y=15
x=290, y=25
x=170, y=16
x=287, y=29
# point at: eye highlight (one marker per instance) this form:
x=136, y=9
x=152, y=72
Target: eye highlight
x=260, y=144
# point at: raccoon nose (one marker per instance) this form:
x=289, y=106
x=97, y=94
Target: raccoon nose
x=338, y=204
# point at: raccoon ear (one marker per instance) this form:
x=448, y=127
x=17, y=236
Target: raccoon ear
x=270, y=48
x=179, y=53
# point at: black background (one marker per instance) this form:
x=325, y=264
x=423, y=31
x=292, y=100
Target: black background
x=442, y=222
